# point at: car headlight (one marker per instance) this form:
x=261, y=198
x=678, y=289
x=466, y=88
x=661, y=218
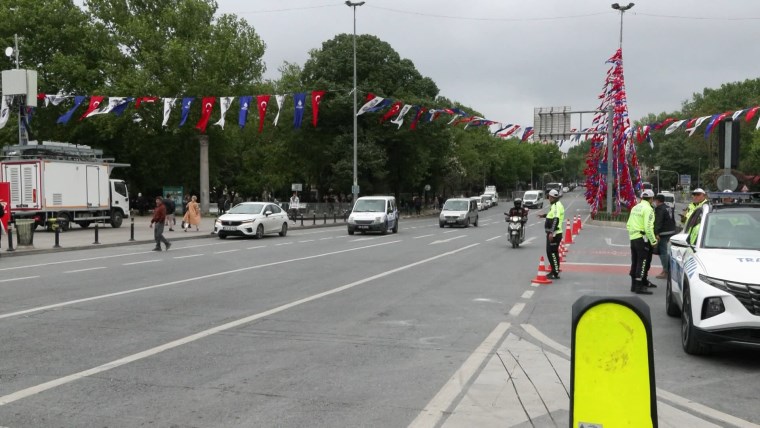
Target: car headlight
x=247, y=221
x=351, y=219
x=462, y=215
x=715, y=282
x=378, y=219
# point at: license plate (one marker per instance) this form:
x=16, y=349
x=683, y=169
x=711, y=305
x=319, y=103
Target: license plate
x=451, y=221
x=362, y=227
x=229, y=228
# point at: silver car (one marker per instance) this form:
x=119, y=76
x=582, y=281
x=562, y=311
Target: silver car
x=252, y=219
x=459, y=212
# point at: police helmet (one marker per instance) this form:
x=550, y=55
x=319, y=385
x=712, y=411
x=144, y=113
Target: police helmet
x=554, y=193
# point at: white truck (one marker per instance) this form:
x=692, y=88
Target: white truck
x=69, y=183
x=491, y=191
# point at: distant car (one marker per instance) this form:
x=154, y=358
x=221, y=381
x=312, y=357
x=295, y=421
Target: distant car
x=713, y=285
x=459, y=212
x=252, y=219
x=478, y=202
x=533, y=199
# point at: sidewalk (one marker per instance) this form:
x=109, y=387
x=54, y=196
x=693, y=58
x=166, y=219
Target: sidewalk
x=77, y=238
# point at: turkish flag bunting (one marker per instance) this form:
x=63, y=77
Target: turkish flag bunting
x=395, y=108
x=95, y=102
x=316, y=98
x=141, y=100
x=262, y=101
x=208, y=105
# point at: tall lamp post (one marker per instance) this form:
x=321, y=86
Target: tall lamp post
x=622, y=10
x=355, y=187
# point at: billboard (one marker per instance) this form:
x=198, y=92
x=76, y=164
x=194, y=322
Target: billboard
x=552, y=123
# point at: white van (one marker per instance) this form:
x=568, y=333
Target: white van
x=533, y=199
x=374, y=214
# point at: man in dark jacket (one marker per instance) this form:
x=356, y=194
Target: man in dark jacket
x=664, y=228
x=171, y=207
x=159, y=217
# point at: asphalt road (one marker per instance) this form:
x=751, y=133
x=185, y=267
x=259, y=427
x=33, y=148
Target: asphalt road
x=318, y=329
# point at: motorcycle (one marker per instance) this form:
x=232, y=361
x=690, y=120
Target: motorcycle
x=516, y=231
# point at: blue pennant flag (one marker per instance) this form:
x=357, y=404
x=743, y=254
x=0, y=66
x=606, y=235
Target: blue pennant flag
x=245, y=103
x=299, y=99
x=119, y=109
x=383, y=104
x=78, y=100
x=186, y=109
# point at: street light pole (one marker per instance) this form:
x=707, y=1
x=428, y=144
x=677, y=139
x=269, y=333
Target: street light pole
x=622, y=10
x=355, y=187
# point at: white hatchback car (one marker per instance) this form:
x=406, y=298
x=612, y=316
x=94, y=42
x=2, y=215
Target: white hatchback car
x=714, y=284
x=252, y=219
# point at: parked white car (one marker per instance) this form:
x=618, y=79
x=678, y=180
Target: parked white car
x=252, y=219
x=714, y=284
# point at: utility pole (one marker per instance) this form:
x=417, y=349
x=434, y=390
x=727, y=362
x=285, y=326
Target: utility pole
x=355, y=187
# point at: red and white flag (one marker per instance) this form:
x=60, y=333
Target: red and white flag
x=262, y=101
x=395, y=108
x=674, y=126
x=316, y=98
x=141, y=100
x=208, y=107
x=95, y=102
x=696, y=124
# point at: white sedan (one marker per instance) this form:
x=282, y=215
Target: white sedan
x=252, y=219
x=713, y=285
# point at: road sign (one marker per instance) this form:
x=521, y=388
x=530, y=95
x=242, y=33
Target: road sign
x=296, y=187
x=685, y=180
x=355, y=189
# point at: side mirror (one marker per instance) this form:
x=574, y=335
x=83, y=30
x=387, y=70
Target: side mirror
x=267, y=213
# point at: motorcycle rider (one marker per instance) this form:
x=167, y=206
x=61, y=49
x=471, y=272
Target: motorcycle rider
x=519, y=211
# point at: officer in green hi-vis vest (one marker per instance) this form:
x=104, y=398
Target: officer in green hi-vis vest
x=640, y=227
x=553, y=227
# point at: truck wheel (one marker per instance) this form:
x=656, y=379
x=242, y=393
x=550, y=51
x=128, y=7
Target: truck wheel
x=116, y=219
x=64, y=221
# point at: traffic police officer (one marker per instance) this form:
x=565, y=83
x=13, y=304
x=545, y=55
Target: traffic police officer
x=641, y=233
x=553, y=227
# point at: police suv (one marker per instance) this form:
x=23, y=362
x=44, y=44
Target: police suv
x=713, y=283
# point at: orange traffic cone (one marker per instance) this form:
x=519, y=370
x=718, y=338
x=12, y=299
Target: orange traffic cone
x=576, y=225
x=562, y=252
x=568, y=233
x=541, y=275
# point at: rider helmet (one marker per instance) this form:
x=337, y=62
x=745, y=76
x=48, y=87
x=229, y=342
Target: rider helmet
x=518, y=203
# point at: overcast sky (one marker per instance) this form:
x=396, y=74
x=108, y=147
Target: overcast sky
x=505, y=57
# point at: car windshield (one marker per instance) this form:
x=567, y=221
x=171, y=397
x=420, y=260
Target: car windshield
x=456, y=205
x=532, y=197
x=370, y=206
x=246, y=209
x=734, y=229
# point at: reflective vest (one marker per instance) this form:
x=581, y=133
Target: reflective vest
x=555, y=218
x=641, y=222
x=690, y=210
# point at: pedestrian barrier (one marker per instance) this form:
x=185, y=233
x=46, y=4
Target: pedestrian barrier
x=10, y=238
x=568, y=233
x=132, y=230
x=541, y=275
x=96, y=235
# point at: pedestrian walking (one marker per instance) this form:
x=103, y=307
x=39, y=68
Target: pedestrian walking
x=157, y=223
x=553, y=227
x=192, y=214
x=170, y=206
x=293, y=206
x=418, y=205
x=664, y=228
x=640, y=227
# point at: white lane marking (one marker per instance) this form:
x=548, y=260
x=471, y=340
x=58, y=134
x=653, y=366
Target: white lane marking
x=446, y=240
x=362, y=239
x=529, y=240
x=435, y=410
x=85, y=270
x=187, y=257
x=495, y=237
x=339, y=237
x=100, y=257
x=18, y=279
x=283, y=243
x=322, y=239
x=451, y=231
x=227, y=251
x=527, y=294
x=27, y=392
x=516, y=309
x=141, y=262
x=533, y=331
x=609, y=242
x=258, y=246
x=665, y=395
x=309, y=240
x=181, y=281
x=423, y=236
